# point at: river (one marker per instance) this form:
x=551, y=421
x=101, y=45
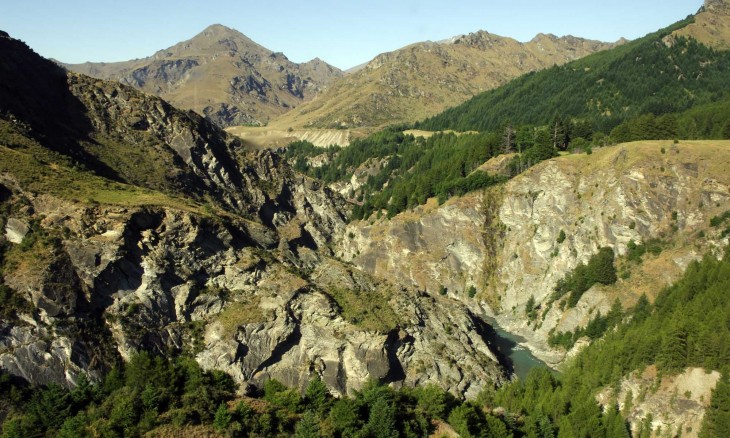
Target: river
x=517, y=359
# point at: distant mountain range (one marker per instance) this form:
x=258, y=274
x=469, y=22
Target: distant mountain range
x=222, y=75
x=228, y=78
x=424, y=79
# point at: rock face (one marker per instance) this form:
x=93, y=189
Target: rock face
x=223, y=75
x=239, y=296
x=196, y=246
x=676, y=404
x=15, y=230
x=505, y=243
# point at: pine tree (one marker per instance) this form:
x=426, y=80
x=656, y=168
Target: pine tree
x=717, y=417
x=308, y=427
x=381, y=422
x=222, y=418
x=317, y=396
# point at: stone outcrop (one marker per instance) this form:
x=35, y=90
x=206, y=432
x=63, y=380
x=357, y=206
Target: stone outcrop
x=675, y=404
x=198, y=247
x=15, y=230
x=505, y=243
x=232, y=294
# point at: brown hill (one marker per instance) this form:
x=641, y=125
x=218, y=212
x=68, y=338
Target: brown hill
x=223, y=75
x=711, y=26
x=425, y=78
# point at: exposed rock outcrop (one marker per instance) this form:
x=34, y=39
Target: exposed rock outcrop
x=189, y=243
x=675, y=404
x=505, y=242
x=226, y=291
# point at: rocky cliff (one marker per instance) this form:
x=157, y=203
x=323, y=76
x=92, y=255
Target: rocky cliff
x=506, y=242
x=223, y=75
x=129, y=225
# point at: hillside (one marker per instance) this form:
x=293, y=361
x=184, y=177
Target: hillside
x=711, y=26
x=658, y=74
x=656, y=206
x=425, y=78
x=131, y=226
x=222, y=75
x=158, y=275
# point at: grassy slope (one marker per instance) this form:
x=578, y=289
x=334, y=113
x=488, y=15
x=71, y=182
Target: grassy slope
x=422, y=79
x=40, y=170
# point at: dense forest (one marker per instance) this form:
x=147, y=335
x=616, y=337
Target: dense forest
x=686, y=326
x=405, y=171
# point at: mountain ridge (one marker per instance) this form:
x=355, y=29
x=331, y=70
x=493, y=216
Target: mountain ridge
x=424, y=78
x=221, y=74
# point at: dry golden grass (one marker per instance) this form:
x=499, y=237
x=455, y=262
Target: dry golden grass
x=236, y=314
x=424, y=79
x=711, y=28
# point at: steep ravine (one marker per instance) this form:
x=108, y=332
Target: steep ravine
x=225, y=291
x=504, y=241
x=128, y=225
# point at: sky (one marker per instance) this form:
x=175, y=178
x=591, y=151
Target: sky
x=344, y=33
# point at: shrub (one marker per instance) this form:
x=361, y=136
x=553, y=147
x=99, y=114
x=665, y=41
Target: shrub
x=600, y=269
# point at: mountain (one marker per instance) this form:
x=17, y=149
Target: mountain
x=711, y=26
x=661, y=73
x=139, y=234
x=223, y=75
x=425, y=78
x=131, y=226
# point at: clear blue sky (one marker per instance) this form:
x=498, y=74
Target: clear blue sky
x=344, y=33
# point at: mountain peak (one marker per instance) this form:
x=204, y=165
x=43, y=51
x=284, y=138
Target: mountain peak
x=544, y=36
x=711, y=5
x=218, y=31
x=217, y=35
x=711, y=25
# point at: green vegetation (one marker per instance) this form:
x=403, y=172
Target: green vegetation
x=641, y=77
x=718, y=221
x=531, y=309
x=595, y=329
x=133, y=399
x=708, y=121
x=717, y=418
x=686, y=326
x=407, y=170
x=636, y=252
x=600, y=269
x=471, y=292
x=367, y=310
